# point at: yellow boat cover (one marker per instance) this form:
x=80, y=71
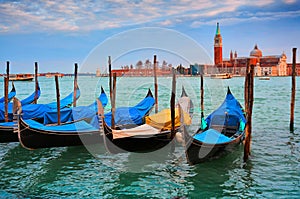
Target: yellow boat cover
x=162, y=120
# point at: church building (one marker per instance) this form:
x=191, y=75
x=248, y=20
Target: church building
x=270, y=65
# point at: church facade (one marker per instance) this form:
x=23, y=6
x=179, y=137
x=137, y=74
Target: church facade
x=270, y=65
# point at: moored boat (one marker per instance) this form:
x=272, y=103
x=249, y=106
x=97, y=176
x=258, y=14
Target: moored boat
x=155, y=134
x=221, y=76
x=8, y=130
x=264, y=78
x=33, y=135
x=21, y=77
x=220, y=131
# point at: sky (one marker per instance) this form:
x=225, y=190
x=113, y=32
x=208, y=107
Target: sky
x=58, y=34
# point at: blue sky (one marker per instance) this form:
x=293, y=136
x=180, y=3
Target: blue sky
x=59, y=33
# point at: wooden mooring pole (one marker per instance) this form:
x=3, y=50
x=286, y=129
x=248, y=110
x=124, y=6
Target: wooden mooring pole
x=155, y=84
x=249, y=100
x=75, y=85
x=57, y=99
x=246, y=86
x=172, y=102
x=293, y=95
x=6, y=82
x=111, y=94
x=36, y=82
x=202, y=96
x=113, y=104
x=110, y=79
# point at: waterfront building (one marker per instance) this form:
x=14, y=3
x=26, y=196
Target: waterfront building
x=98, y=72
x=270, y=65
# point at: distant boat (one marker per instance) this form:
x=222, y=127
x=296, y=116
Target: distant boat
x=221, y=76
x=21, y=77
x=264, y=78
x=236, y=75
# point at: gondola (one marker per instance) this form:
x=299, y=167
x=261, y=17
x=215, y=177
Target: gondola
x=33, y=135
x=36, y=111
x=155, y=134
x=8, y=130
x=28, y=100
x=219, y=132
x=11, y=94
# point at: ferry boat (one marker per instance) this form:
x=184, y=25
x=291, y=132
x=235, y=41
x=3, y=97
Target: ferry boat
x=21, y=77
x=264, y=78
x=221, y=76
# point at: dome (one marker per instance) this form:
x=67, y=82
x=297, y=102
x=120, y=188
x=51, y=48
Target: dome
x=256, y=52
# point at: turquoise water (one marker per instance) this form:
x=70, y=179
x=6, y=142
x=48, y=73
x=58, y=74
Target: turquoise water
x=90, y=172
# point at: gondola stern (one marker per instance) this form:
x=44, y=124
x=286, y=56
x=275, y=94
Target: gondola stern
x=13, y=87
x=228, y=91
x=183, y=92
x=149, y=94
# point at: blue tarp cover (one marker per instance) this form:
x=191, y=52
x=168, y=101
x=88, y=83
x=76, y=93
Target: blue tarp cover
x=212, y=136
x=30, y=111
x=228, y=113
x=79, y=126
x=67, y=101
x=7, y=124
x=131, y=115
x=50, y=116
x=30, y=98
x=11, y=94
x=75, y=113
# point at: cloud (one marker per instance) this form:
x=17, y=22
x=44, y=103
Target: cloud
x=88, y=15
x=289, y=1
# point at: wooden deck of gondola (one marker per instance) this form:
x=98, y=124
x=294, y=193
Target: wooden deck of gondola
x=139, y=143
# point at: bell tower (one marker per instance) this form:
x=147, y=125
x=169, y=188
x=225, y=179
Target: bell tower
x=218, y=46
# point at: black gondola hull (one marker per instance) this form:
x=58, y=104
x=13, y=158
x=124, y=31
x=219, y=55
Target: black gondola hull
x=7, y=134
x=138, y=144
x=35, y=138
x=198, y=152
